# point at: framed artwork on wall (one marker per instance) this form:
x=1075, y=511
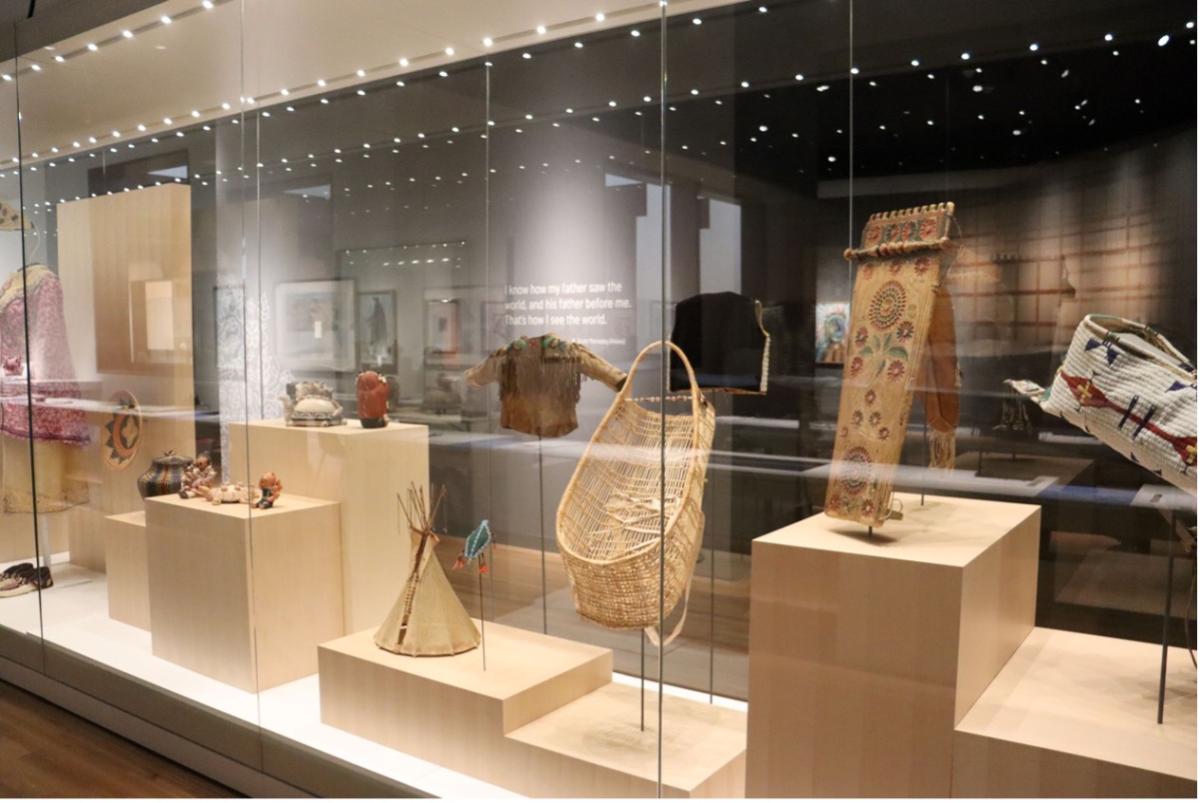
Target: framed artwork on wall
x=315, y=325
x=376, y=328
x=441, y=331
x=832, y=319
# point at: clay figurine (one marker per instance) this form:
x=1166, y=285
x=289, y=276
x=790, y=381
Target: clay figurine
x=372, y=400
x=198, y=477
x=228, y=493
x=271, y=488
x=310, y=404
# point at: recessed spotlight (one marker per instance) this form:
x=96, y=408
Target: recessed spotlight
x=284, y=92
x=403, y=63
x=600, y=16
x=1016, y=132
x=977, y=88
x=541, y=30
x=321, y=82
x=745, y=84
x=488, y=41
x=449, y=51
x=915, y=62
x=141, y=126
x=612, y=104
x=854, y=71
x=697, y=21
x=981, y=117
x=799, y=76
x=1164, y=39
x=1108, y=37
x=164, y=19
x=647, y=99
x=823, y=88
x=763, y=128
x=443, y=74
x=695, y=91
x=128, y=34
x=929, y=122
x=208, y=5
x=635, y=33
x=59, y=58
x=35, y=67
x=579, y=45
x=92, y=46
x=361, y=92
x=166, y=121
x=361, y=73
x=831, y=158
x=1033, y=47
x=195, y=112
x=965, y=55
x=526, y=55
x=762, y=9
x=225, y=106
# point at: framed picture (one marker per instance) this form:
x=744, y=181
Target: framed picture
x=376, y=328
x=441, y=331
x=832, y=320
x=315, y=326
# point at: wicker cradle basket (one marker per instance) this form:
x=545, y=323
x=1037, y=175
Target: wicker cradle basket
x=611, y=518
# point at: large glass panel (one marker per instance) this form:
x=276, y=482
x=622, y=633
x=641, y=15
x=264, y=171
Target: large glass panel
x=138, y=245
x=26, y=541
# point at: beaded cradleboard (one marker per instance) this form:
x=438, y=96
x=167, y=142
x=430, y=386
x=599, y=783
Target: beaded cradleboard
x=902, y=326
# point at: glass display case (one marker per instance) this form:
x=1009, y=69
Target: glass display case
x=566, y=399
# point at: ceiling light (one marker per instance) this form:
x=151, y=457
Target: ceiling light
x=646, y=99
x=128, y=34
x=697, y=21
x=977, y=88
x=195, y=113
x=799, y=76
x=6, y=77
x=1033, y=46
x=695, y=91
x=284, y=92
x=487, y=41
x=635, y=33
x=325, y=101
x=164, y=19
x=929, y=122
x=579, y=45
x=449, y=51
x=321, y=81
x=361, y=73
x=443, y=74
x=1016, y=132
x=915, y=62
x=1164, y=39
x=823, y=88
x=526, y=55
x=1108, y=37
x=981, y=117
x=541, y=30
x=599, y=16
x=403, y=63
x=59, y=58
x=762, y=9
x=831, y=158
x=36, y=67
x=762, y=128
x=92, y=46
x=1191, y=24
x=400, y=83
x=965, y=55
x=225, y=106
x=208, y=5
x=116, y=133
x=166, y=121
x=745, y=84
x=361, y=92
x=141, y=126
x=854, y=71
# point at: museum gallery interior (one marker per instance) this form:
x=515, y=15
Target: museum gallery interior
x=606, y=398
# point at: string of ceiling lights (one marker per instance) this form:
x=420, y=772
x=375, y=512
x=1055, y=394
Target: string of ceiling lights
x=540, y=30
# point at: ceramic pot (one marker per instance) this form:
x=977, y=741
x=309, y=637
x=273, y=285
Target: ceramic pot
x=165, y=475
x=372, y=400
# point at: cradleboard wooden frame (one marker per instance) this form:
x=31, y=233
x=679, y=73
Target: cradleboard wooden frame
x=902, y=326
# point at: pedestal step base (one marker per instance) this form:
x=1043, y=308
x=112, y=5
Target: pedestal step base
x=543, y=719
x=1074, y=715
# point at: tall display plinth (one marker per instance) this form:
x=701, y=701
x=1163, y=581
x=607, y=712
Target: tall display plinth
x=1074, y=715
x=866, y=650
x=126, y=558
x=363, y=469
x=543, y=719
x=243, y=595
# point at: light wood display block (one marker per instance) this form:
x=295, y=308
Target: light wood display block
x=543, y=719
x=128, y=582
x=243, y=595
x=866, y=651
x=1074, y=715
x=363, y=469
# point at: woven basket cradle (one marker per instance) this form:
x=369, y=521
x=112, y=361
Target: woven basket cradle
x=609, y=520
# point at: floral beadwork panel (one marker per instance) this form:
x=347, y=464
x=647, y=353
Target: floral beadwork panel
x=899, y=268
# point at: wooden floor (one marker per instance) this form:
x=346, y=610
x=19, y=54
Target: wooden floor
x=48, y=752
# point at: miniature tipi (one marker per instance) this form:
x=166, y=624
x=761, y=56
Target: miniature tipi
x=428, y=618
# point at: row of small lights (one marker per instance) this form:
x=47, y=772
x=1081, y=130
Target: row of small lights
x=489, y=41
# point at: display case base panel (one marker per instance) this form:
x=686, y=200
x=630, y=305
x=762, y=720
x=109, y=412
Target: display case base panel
x=1075, y=715
x=544, y=718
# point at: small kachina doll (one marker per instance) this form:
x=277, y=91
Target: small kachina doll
x=271, y=488
x=198, y=478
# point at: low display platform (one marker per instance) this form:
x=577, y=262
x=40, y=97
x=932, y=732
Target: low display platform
x=866, y=650
x=126, y=559
x=1074, y=715
x=244, y=595
x=543, y=719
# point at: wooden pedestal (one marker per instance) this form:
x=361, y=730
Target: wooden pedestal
x=543, y=719
x=125, y=555
x=1074, y=715
x=363, y=469
x=243, y=595
x=866, y=651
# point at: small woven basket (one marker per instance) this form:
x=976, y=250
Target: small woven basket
x=620, y=501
